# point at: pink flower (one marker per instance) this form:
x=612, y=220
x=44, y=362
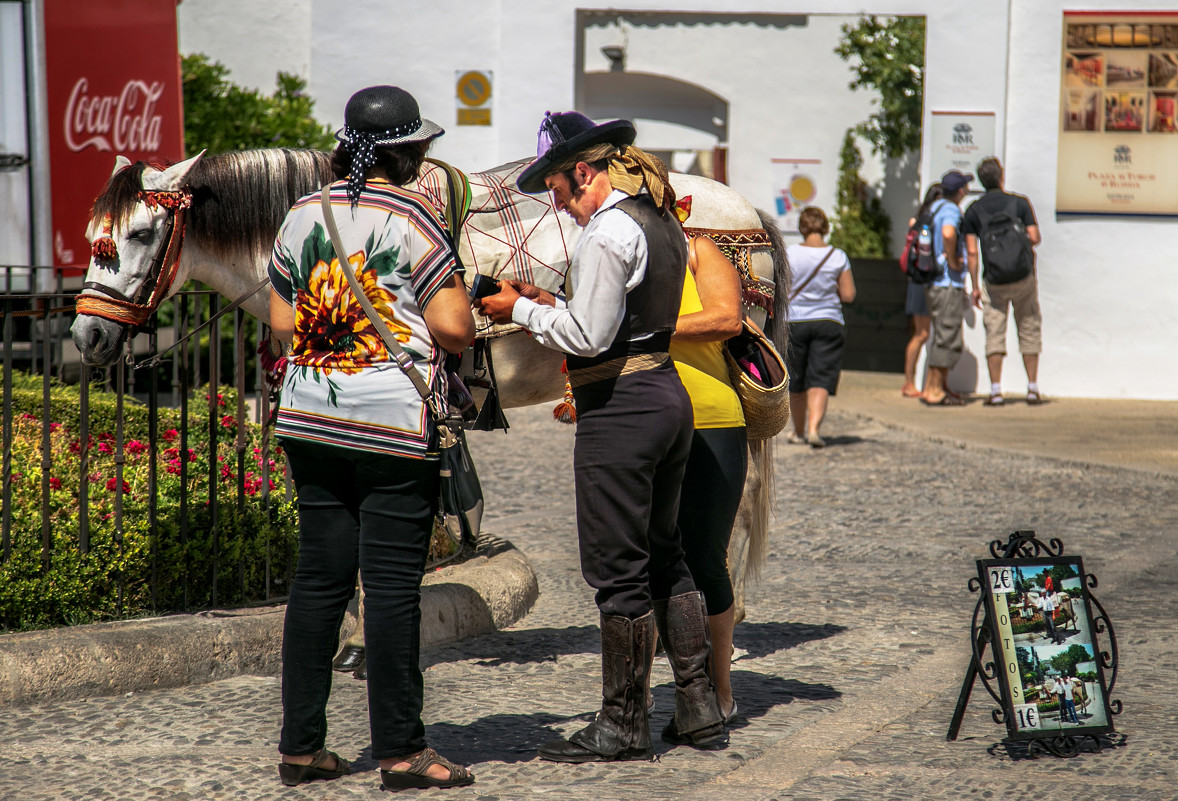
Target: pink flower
x=27, y=416
x=135, y=446
x=170, y=434
x=54, y=426
x=54, y=483
x=228, y=421
x=104, y=447
x=173, y=467
x=112, y=483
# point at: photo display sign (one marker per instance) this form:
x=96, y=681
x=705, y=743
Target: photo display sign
x=1118, y=137
x=1045, y=653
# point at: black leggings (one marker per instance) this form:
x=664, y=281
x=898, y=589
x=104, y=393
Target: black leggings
x=374, y=512
x=712, y=487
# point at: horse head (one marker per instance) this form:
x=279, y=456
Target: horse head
x=136, y=231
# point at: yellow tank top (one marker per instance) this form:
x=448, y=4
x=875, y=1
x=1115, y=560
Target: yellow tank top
x=704, y=372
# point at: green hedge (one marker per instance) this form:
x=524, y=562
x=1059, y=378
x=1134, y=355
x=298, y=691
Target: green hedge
x=114, y=577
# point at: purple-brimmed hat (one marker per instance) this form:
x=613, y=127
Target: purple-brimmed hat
x=562, y=135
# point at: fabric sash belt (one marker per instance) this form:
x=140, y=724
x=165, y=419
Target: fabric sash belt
x=617, y=367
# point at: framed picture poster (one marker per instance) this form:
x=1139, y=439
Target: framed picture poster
x=1118, y=124
x=1046, y=656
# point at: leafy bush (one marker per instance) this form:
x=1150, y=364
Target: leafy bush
x=888, y=56
x=114, y=577
x=221, y=116
x=860, y=226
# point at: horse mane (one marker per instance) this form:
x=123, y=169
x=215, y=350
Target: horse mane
x=119, y=196
x=239, y=198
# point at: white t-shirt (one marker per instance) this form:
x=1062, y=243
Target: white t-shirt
x=819, y=299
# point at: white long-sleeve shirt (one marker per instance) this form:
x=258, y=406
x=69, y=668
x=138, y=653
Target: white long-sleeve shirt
x=609, y=260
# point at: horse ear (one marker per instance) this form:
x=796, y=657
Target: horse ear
x=121, y=163
x=174, y=175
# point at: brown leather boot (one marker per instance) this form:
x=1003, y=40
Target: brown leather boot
x=683, y=629
x=621, y=730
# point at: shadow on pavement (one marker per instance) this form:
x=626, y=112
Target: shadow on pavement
x=519, y=647
x=495, y=738
x=756, y=693
x=762, y=639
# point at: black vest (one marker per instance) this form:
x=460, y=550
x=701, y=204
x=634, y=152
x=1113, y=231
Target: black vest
x=652, y=307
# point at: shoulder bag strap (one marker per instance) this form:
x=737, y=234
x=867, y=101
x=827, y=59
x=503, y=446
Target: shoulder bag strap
x=457, y=199
x=403, y=359
x=798, y=290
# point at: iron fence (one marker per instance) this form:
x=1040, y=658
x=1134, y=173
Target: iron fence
x=37, y=349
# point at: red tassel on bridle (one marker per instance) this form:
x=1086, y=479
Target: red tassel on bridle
x=105, y=249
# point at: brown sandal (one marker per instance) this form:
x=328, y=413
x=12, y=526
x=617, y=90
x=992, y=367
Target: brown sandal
x=293, y=775
x=416, y=778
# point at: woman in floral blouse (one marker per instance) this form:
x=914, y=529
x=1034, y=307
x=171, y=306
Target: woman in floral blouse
x=358, y=435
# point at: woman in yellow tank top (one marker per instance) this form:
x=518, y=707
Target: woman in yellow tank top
x=711, y=312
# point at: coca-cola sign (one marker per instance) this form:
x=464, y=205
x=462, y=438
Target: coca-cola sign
x=114, y=89
x=127, y=120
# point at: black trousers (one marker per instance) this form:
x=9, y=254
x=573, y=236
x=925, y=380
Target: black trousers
x=712, y=486
x=375, y=512
x=633, y=438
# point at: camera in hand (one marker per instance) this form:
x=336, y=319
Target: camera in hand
x=483, y=285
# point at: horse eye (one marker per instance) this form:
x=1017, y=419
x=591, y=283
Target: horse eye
x=143, y=235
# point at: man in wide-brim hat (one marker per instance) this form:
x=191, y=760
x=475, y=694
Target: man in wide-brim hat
x=634, y=425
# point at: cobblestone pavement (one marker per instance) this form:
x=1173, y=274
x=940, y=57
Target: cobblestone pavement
x=849, y=663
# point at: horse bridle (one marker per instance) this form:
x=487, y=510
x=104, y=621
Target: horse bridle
x=134, y=311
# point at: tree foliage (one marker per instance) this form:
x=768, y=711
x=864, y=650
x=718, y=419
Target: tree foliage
x=861, y=227
x=221, y=116
x=888, y=57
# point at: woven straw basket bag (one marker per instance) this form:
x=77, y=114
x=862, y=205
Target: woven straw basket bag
x=759, y=375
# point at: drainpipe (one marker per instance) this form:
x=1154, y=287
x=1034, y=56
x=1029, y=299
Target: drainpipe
x=37, y=103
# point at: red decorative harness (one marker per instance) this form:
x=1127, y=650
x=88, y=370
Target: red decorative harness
x=134, y=311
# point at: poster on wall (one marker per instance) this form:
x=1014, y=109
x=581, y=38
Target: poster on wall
x=795, y=186
x=959, y=140
x=1118, y=126
x=102, y=104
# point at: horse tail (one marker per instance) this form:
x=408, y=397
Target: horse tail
x=777, y=326
x=759, y=504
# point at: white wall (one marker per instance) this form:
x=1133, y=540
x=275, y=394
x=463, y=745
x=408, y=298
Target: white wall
x=1106, y=331
x=255, y=40
x=1108, y=286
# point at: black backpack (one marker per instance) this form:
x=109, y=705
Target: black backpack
x=1007, y=255
x=918, y=259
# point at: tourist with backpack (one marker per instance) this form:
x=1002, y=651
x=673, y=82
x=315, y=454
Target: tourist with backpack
x=915, y=306
x=1001, y=226
x=946, y=293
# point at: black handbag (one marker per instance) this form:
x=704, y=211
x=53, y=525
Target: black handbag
x=460, y=507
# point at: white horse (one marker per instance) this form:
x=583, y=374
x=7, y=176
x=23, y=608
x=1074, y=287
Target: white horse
x=213, y=219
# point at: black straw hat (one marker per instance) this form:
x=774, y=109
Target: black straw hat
x=563, y=135
x=387, y=114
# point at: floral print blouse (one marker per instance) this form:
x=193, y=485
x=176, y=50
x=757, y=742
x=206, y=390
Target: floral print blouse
x=342, y=386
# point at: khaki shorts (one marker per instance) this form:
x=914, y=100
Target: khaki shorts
x=947, y=306
x=1023, y=297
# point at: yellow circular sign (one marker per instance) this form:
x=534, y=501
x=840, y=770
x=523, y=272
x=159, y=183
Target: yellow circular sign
x=474, y=88
x=801, y=188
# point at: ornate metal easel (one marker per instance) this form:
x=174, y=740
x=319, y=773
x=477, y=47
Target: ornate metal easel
x=1024, y=545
